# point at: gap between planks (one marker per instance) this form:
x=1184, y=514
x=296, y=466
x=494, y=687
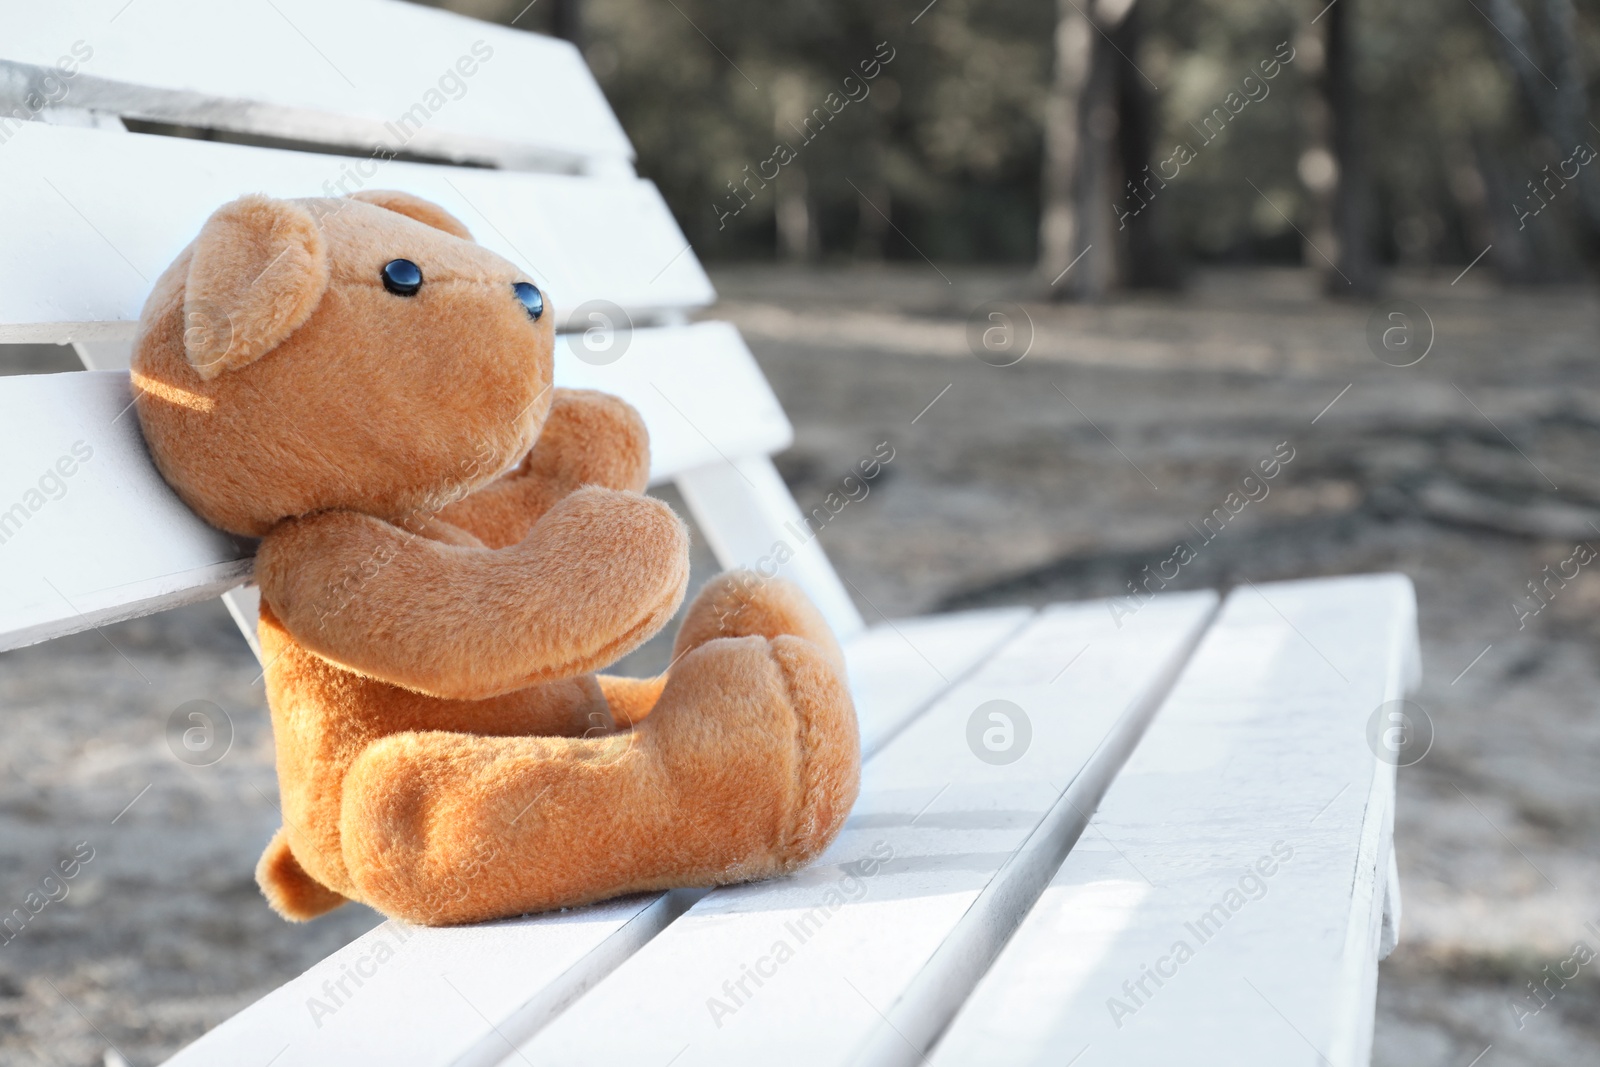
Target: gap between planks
x=929, y=1004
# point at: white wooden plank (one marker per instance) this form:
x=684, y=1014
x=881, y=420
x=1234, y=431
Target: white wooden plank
x=698, y=389
x=343, y=72
x=119, y=543
x=1262, y=744
x=422, y=996
x=899, y=666
x=244, y=602
x=244, y=605
x=510, y=978
x=94, y=246
x=105, y=355
x=749, y=519
x=1391, y=909
x=89, y=532
x=943, y=853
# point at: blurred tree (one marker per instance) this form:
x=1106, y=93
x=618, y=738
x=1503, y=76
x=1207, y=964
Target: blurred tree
x=1558, y=100
x=1062, y=225
x=1152, y=262
x=1093, y=184
x=1099, y=127
x=1451, y=170
x=797, y=230
x=1318, y=167
x=566, y=20
x=1355, y=271
x=966, y=145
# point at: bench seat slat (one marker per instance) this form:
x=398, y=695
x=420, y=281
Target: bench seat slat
x=874, y=958
x=441, y=996
x=95, y=246
x=360, y=67
x=425, y=993
x=898, y=668
x=1262, y=743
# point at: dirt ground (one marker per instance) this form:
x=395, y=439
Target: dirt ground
x=1056, y=478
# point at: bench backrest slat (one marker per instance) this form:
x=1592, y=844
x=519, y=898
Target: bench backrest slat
x=91, y=218
x=697, y=387
x=353, y=74
x=89, y=533
x=110, y=535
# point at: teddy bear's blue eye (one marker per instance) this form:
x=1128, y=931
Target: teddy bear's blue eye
x=402, y=277
x=531, y=298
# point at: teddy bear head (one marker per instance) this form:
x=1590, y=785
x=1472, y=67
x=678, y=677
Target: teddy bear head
x=360, y=353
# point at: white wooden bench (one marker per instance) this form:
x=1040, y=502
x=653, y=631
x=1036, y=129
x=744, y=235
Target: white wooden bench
x=973, y=910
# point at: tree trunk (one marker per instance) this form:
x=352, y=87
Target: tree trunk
x=1095, y=181
x=1080, y=133
x=1060, y=228
x=797, y=230
x=1470, y=183
x=1151, y=262
x=1318, y=170
x=1552, y=84
x=1356, y=271
x=873, y=210
x=1525, y=252
x=566, y=21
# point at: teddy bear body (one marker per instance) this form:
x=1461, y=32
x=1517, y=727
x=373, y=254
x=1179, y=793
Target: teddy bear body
x=450, y=548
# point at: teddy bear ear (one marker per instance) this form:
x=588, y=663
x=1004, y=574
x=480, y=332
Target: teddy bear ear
x=260, y=267
x=414, y=207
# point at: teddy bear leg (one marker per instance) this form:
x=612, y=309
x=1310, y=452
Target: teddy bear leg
x=746, y=768
x=630, y=699
x=741, y=603
x=292, y=892
x=733, y=604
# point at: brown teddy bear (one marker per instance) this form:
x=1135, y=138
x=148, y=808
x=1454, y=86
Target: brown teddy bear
x=449, y=547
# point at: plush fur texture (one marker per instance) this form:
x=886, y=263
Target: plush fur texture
x=450, y=547
x=258, y=270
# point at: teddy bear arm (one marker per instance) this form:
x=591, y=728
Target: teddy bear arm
x=597, y=576
x=502, y=512
x=589, y=438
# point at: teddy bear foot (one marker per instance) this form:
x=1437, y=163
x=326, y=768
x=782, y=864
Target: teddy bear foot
x=741, y=603
x=736, y=603
x=746, y=768
x=786, y=764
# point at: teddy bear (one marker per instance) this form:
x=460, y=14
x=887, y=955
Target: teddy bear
x=449, y=549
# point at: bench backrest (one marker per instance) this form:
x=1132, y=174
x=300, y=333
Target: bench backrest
x=345, y=74
x=91, y=214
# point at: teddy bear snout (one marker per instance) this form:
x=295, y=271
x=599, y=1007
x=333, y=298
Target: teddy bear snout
x=531, y=298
